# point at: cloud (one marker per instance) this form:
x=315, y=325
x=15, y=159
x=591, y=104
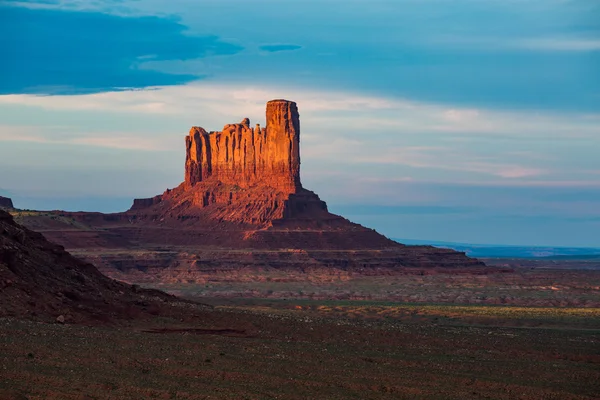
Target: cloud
x=440, y=158
x=484, y=55
x=378, y=209
x=224, y=99
x=540, y=44
x=53, y=51
x=274, y=48
x=414, y=139
x=528, y=183
x=355, y=109
x=386, y=180
x=110, y=140
x=461, y=116
x=120, y=141
x=559, y=44
x=513, y=171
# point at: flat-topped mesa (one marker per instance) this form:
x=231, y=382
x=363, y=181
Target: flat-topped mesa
x=6, y=203
x=247, y=157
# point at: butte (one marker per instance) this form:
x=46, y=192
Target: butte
x=240, y=212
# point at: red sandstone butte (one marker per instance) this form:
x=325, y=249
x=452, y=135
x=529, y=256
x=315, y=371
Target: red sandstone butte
x=241, y=207
x=243, y=174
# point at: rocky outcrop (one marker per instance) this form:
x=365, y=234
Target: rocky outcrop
x=245, y=157
x=6, y=203
x=139, y=204
x=40, y=280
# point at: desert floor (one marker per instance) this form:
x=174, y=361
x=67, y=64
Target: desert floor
x=541, y=341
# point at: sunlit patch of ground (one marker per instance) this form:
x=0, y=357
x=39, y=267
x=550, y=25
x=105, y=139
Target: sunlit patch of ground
x=525, y=287
x=439, y=314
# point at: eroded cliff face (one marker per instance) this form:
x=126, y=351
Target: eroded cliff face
x=242, y=175
x=247, y=157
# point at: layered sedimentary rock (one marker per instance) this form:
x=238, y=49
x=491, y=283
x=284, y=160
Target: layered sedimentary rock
x=241, y=207
x=6, y=203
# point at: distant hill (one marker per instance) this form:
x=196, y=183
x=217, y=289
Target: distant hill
x=500, y=251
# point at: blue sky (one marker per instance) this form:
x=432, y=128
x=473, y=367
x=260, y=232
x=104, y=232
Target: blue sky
x=465, y=120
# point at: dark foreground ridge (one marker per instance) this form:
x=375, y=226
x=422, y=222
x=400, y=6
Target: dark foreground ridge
x=40, y=280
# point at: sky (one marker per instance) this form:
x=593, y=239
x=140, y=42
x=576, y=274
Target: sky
x=446, y=120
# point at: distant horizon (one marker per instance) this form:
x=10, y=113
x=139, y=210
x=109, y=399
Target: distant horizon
x=490, y=245
x=99, y=204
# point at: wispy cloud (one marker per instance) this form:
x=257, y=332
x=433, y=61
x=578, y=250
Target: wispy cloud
x=491, y=183
x=540, y=44
x=111, y=140
x=275, y=48
x=559, y=44
x=338, y=126
x=440, y=158
x=214, y=102
x=342, y=129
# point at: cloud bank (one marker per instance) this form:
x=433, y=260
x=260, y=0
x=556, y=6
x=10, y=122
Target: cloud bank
x=50, y=51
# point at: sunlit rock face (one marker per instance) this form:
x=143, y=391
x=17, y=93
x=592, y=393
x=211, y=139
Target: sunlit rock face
x=243, y=174
x=247, y=157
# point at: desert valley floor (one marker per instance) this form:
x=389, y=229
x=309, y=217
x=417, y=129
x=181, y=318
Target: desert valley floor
x=542, y=343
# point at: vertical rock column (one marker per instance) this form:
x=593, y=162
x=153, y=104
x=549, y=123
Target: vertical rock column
x=197, y=156
x=283, y=143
